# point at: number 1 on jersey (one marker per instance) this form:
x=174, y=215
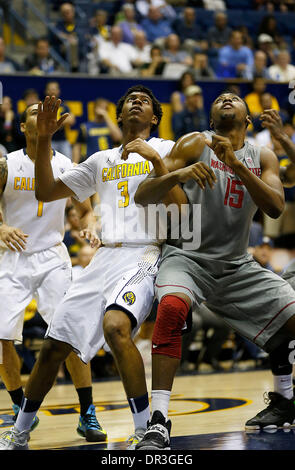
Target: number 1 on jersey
x=40, y=209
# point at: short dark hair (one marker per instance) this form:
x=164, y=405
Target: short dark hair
x=142, y=89
x=24, y=114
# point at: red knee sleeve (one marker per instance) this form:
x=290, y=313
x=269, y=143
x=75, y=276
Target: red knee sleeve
x=171, y=316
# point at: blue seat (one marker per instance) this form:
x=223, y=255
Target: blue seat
x=239, y=4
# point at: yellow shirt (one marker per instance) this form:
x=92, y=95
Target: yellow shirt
x=253, y=102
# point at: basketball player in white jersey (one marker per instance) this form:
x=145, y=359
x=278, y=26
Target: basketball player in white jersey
x=36, y=264
x=115, y=292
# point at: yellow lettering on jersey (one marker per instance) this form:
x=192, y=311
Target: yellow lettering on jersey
x=33, y=184
x=23, y=184
x=124, y=170
x=16, y=182
x=130, y=170
x=104, y=172
x=109, y=174
x=136, y=169
x=146, y=168
x=123, y=186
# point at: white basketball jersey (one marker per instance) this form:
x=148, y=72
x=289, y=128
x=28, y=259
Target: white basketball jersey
x=43, y=222
x=116, y=182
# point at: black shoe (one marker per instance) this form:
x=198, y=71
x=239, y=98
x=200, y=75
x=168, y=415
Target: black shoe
x=280, y=413
x=157, y=435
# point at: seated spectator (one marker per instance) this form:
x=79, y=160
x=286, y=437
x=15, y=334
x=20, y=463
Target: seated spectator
x=282, y=71
x=268, y=26
x=116, y=56
x=190, y=34
x=219, y=34
x=155, y=25
x=40, y=61
x=7, y=65
x=262, y=253
x=100, y=134
x=72, y=238
x=201, y=68
x=193, y=117
x=142, y=49
x=156, y=64
x=68, y=31
x=214, y=5
x=142, y=6
x=266, y=101
x=31, y=96
x=59, y=140
x=100, y=30
x=173, y=53
x=266, y=44
x=10, y=136
x=259, y=68
x=178, y=97
x=253, y=99
x=84, y=257
x=129, y=25
x=234, y=59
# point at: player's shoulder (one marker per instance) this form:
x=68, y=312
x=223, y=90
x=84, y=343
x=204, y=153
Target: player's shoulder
x=161, y=144
x=15, y=154
x=61, y=159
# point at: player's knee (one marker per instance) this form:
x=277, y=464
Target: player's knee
x=54, y=351
x=171, y=316
x=117, y=329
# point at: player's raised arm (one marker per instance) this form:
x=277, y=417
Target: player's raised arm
x=179, y=166
x=46, y=187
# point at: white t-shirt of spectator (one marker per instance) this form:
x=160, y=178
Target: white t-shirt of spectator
x=282, y=75
x=121, y=55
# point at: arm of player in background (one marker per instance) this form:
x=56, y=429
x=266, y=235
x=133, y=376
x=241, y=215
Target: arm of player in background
x=163, y=183
x=47, y=188
x=88, y=222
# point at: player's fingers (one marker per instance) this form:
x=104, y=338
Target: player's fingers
x=14, y=238
x=13, y=244
x=198, y=179
x=82, y=234
x=210, y=171
x=40, y=107
x=211, y=181
x=56, y=105
x=209, y=143
x=22, y=235
x=62, y=119
x=51, y=103
x=46, y=103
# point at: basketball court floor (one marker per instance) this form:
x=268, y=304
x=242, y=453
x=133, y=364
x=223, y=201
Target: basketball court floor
x=208, y=412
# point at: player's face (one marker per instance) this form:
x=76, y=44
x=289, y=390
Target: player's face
x=228, y=107
x=138, y=108
x=30, y=126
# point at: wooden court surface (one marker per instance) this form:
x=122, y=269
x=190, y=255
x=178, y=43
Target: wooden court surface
x=212, y=406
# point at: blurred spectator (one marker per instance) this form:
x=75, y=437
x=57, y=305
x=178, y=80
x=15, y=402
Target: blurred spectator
x=282, y=71
x=129, y=25
x=59, y=141
x=266, y=100
x=268, y=26
x=156, y=64
x=142, y=49
x=266, y=44
x=100, y=31
x=263, y=251
x=9, y=134
x=31, y=96
x=100, y=134
x=253, y=99
x=234, y=59
x=193, y=117
x=72, y=239
x=214, y=5
x=259, y=68
x=143, y=6
x=7, y=65
x=68, y=31
x=40, y=61
x=201, y=68
x=173, y=53
x=155, y=25
x=219, y=34
x=190, y=34
x=247, y=39
x=84, y=257
x=177, y=97
x=115, y=55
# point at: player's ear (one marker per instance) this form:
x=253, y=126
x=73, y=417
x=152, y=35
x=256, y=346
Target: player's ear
x=154, y=121
x=22, y=126
x=248, y=120
x=211, y=124
x=119, y=120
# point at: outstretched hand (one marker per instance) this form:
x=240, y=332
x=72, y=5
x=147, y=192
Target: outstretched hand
x=47, y=123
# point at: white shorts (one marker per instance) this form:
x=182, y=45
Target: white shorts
x=45, y=276
x=123, y=277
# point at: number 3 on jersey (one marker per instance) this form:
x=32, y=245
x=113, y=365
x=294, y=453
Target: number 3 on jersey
x=123, y=186
x=231, y=189
x=40, y=209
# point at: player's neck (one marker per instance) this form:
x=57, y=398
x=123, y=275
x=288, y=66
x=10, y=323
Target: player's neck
x=130, y=135
x=31, y=150
x=236, y=136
